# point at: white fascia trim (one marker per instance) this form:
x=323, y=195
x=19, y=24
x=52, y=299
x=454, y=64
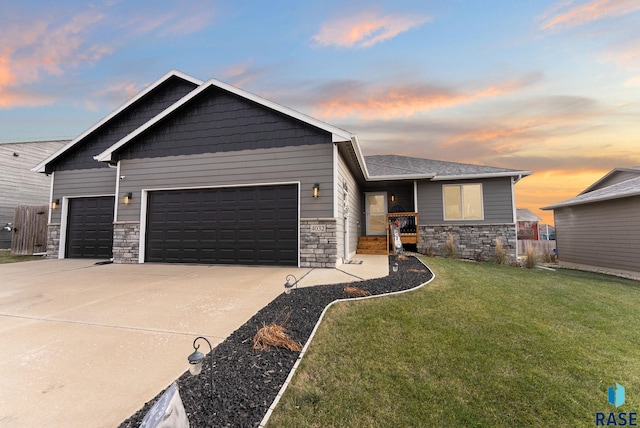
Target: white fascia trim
x=477, y=176
x=412, y=177
x=40, y=167
x=337, y=134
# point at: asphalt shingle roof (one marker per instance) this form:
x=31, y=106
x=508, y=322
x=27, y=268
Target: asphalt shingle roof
x=394, y=165
x=627, y=188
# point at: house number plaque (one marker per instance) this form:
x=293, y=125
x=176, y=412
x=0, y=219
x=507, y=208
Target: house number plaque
x=318, y=228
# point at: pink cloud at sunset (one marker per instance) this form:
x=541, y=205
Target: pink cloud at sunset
x=365, y=30
x=566, y=15
x=43, y=48
x=405, y=101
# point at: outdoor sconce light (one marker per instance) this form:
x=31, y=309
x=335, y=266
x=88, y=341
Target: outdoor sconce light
x=127, y=198
x=55, y=204
x=395, y=267
x=197, y=358
x=316, y=190
x=289, y=285
x=393, y=197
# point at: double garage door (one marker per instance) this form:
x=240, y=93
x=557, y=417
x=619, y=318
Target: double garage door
x=242, y=225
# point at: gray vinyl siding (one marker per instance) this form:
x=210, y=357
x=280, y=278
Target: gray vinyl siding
x=355, y=204
x=306, y=164
x=83, y=182
x=21, y=186
x=604, y=234
x=218, y=121
x=497, y=201
x=81, y=156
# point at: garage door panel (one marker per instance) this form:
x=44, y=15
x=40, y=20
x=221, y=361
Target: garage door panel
x=253, y=225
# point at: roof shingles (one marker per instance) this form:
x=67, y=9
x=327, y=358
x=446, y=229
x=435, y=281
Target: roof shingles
x=394, y=165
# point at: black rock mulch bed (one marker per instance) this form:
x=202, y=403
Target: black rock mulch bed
x=246, y=381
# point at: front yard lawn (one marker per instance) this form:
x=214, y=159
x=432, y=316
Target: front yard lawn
x=7, y=257
x=481, y=345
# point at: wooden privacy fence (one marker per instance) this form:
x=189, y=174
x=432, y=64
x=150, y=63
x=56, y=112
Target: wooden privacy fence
x=29, y=230
x=545, y=247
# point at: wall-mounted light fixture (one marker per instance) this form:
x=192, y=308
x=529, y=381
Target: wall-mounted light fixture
x=127, y=198
x=197, y=358
x=55, y=204
x=289, y=285
x=393, y=197
x=316, y=190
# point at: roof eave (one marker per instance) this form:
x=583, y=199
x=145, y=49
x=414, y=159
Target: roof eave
x=401, y=177
x=482, y=175
x=571, y=203
x=42, y=166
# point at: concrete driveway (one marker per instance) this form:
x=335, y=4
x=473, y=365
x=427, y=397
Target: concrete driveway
x=86, y=345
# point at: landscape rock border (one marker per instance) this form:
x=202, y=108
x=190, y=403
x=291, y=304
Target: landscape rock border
x=248, y=383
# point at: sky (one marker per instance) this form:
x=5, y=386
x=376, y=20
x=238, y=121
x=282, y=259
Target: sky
x=552, y=87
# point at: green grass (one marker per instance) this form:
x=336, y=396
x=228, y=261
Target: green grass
x=7, y=257
x=481, y=345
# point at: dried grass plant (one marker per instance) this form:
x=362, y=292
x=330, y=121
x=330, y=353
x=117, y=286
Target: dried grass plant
x=450, y=246
x=275, y=335
x=531, y=256
x=501, y=253
x=355, y=291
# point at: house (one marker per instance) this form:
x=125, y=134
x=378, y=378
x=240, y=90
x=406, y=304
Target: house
x=19, y=186
x=527, y=224
x=601, y=226
x=204, y=172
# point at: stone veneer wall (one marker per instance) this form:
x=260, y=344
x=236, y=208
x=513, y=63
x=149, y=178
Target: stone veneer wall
x=475, y=241
x=318, y=248
x=126, y=242
x=53, y=240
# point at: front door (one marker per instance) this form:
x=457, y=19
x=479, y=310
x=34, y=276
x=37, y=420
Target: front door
x=376, y=213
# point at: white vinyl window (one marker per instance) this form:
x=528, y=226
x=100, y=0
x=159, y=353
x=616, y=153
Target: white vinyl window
x=463, y=202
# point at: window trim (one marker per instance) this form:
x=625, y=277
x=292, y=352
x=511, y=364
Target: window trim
x=461, y=186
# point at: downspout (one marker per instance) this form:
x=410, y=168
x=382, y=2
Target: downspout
x=345, y=219
x=514, y=180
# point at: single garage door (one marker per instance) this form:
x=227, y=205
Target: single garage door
x=243, y=225
x=90, y=228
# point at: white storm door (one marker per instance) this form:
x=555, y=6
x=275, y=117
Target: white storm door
x=376, y=212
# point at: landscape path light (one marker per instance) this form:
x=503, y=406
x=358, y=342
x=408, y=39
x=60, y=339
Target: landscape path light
x=197, y=358
x=289, y=285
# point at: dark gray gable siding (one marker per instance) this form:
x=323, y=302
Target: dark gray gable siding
x=217, y=121
x=605, y=234
x=497, y=200
x=81, y=156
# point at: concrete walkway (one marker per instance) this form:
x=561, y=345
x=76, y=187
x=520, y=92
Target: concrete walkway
x=86, y=345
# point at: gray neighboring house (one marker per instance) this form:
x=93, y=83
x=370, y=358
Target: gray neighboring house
x=601, y=226
x=19, y=185
x=204, y=172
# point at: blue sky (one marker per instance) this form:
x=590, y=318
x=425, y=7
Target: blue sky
x=548, y=86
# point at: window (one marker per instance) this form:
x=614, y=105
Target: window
x=463, y=202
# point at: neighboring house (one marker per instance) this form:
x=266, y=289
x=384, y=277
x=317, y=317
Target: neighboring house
x=547, y=232
x=19, y=185
x=601, y=226
x=204, y=172
x=527, y=224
